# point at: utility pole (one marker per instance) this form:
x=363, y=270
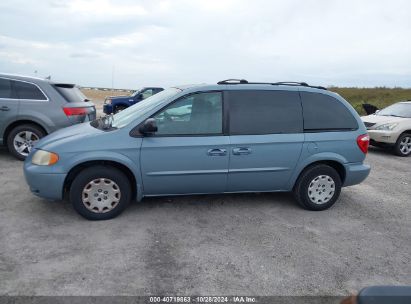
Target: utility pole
x=112, y=77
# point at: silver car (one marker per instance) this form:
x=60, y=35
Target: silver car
x=391, y=128
x=31, y=108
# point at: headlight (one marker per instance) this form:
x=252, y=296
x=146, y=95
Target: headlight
x=387, y=127
x=44, y=158
x=107, y=101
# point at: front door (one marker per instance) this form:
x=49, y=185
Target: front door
x=9, y=105
x=189, y=153
x=266, y=138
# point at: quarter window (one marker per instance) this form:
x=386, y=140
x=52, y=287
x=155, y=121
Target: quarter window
x=197, y=114
x=265, y=112
x=27, y=90
x=5, y=88
x=324, y=112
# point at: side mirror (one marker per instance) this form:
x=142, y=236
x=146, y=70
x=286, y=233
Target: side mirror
x=149, y=126
x=140, y=97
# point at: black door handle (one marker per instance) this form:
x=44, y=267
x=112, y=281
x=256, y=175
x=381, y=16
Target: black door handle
x=4, y=108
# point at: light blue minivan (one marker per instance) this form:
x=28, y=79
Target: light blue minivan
x=236, y=136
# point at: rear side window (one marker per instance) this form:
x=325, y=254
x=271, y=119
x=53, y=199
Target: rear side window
x=265, y=112
x=5, y=88
x=27, y=90
x=70, y=92
x=326, y=113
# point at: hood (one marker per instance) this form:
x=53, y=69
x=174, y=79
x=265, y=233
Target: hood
x=379, y=119
x=68, y=134
x=120, y=97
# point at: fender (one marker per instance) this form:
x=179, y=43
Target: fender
x=133, y=166
x=308, y=160
x=115, y=103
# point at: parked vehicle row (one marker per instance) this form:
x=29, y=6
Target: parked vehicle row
x=235, y=136
x=31, y=108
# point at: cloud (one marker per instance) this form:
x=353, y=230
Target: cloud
x=171, y=42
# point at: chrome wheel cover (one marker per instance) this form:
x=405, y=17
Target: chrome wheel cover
x=321, y=189
x=405, y=145
x=101, y=195
x=24, y=141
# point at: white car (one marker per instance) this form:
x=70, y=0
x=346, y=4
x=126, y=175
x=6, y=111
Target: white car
x=391, y=127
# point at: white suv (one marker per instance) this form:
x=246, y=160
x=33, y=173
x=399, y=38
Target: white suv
x=391, y=127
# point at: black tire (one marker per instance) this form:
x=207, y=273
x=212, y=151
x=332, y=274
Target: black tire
x=95, y=173
x=301, y=188
x=119, y=109
x=36, y=130
x=397, y=147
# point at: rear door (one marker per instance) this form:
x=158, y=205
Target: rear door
x=189, y=153
x=266, y=138
x=9, y=105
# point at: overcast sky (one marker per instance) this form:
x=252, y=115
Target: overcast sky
x=323, y=42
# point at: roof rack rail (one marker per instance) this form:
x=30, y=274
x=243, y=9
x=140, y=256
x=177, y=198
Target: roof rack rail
x=233, y=81
x=290, y=83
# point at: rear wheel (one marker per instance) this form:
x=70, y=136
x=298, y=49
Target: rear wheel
x=22, y=138
x=119, y=109
x=318, y=187
x=403, y=145
x=100, y=192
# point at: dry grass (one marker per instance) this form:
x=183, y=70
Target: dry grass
x=380, y=97
x=100, y=95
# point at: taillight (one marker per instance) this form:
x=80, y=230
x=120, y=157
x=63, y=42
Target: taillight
x=75, y=111
x=363, y=141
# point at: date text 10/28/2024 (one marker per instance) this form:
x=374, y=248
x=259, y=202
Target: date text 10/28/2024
x=204, y=299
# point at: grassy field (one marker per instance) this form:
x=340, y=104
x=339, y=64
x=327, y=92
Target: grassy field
x=380, y=97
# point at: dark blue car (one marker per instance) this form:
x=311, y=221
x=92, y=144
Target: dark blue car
x=115, y=104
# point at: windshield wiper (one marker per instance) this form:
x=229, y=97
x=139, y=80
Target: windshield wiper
x=393, y=115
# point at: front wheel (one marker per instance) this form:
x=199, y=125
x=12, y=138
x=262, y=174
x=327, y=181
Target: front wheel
x=403, y=145
x=318, y=188
x=100, y=192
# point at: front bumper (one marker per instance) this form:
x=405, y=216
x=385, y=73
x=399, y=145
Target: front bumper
x=44, y=184
x=108, y=108
x=381, y=136
x=355, y=173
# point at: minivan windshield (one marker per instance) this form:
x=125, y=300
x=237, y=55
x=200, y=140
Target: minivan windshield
x=400, y=109
x=125, y=117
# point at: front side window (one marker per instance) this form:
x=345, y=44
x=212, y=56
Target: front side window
x=27, y=90
x=326, y=113
x=5, y=88
x=265, y=112
x=197, y=114
x=147, y=93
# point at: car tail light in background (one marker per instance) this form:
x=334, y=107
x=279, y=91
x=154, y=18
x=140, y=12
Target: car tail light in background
x=363, y=141
x=75, y=111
